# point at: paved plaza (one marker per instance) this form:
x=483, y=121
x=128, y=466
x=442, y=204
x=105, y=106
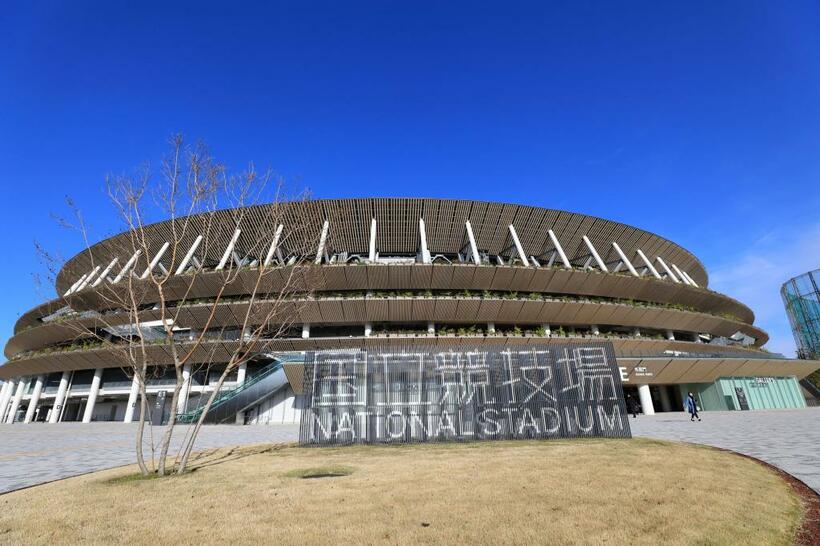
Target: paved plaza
x=38, y=453
x=786, y=438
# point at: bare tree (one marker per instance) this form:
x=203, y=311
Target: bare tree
x=154, y=296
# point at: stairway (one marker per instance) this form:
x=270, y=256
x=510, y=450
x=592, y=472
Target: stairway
x=232, y=400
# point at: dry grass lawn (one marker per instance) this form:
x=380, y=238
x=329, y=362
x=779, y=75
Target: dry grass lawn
x=549, y=492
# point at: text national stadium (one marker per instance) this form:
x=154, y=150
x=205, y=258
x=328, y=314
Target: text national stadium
x=428, y=319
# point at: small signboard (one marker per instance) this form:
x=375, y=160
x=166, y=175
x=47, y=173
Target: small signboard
x=741, y=398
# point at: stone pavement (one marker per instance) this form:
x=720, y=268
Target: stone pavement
x=40, y=452
x=787, y=439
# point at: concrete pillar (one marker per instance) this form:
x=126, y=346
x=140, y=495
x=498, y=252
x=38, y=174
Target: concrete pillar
x=5, y=395
x=491, y=328
x=646, y=400
x=431, y=328
x=241, y=372
x=594, y=329
x=15, y=402
x=368, y=329
x=182, y=403
x=92, y=395
x=35, y=398
x=637, y=332
x=305, y=331
x=59, y=400
x=547, y=330
x=4, y=389
x=133, y=395
x=670, y=335
x=666, y=402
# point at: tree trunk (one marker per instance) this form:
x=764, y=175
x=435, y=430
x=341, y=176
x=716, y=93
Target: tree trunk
x=189, y=446
x=141, y=431
x=169, y=429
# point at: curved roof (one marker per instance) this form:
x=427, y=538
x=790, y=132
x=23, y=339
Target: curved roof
x=397, y=232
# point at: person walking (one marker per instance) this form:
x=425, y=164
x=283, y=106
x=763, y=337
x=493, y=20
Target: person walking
x=632, y=406
x=691, y=407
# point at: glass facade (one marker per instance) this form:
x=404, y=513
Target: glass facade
x=747, y=393
x=801, y=295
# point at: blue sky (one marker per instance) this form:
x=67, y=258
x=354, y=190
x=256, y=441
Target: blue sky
x=699, y=121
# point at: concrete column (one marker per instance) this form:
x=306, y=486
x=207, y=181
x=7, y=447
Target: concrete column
x=35, y=398
x=431, y=328
x=241, y=372
x=666, y=402
x=594, y=329
x=185, y=390
x=670, y=335
x=547, y=330
x=92, y=395
x=133, y=395
x=305, y=331
x=4, y=389
x=646, y=400
x=15, y=402
x=491, y=328
x=637, y=332
x=59, y=400
x=368, y=329
x=5, y=395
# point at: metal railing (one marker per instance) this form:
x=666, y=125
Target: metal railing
x=229, y=392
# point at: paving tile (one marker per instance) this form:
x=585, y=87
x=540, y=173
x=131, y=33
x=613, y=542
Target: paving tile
x=35, y=453
x=787, y=439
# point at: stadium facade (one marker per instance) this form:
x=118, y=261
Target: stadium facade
x=404, y=272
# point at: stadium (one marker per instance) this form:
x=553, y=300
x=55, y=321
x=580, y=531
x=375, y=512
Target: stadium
x=400, y=271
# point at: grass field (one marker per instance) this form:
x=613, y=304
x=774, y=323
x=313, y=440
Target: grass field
x=555, y=492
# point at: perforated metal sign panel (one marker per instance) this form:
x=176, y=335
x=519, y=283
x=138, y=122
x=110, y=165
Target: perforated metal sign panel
x=413, y=394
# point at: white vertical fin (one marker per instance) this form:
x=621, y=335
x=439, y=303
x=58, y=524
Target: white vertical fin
x=648, y=263
x=273, y=246
x=155, y=261
x=372, y=254
x=229, y=250
x=691, y=280
x=681, y=276
x=624, y=259
x=77, y=283
x=473, y=247
x=105, y=272
x=127, y=267
x=560, y=249
x=595, y=255
x=518, y=247
x=425, y=253
x=322, y=240
x=89, y=278
x=189, y=255
x=666, y=268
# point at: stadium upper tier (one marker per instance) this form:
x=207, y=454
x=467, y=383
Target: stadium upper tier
x=385, y=267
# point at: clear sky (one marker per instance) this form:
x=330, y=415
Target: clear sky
x=699, y=121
